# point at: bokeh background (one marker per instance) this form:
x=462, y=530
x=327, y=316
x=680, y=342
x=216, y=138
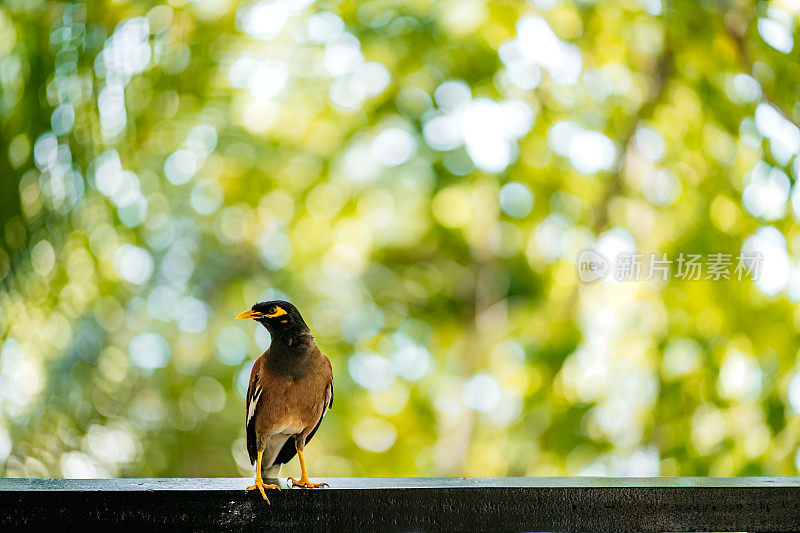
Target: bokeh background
x=418, y=177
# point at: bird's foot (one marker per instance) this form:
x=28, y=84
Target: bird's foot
x=305, y=483
x=260, y=485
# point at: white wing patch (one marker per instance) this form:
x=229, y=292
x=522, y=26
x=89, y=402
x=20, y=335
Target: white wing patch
x=328, y=396
x=251, y=407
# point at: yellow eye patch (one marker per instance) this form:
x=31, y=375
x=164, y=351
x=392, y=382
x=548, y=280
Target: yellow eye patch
x=279, y=311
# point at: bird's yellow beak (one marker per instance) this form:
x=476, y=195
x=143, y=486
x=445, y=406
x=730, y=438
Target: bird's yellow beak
x=256, y=315
x=250, y=314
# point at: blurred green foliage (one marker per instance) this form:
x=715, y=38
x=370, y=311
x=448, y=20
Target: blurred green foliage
x=418, y=177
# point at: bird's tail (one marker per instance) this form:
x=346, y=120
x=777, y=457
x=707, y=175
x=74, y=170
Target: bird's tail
x=272, y=472
x=252, y=444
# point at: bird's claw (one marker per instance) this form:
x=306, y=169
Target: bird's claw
x=260, y=485
x=306, y=484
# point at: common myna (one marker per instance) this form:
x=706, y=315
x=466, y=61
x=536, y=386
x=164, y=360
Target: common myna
x=291, y=389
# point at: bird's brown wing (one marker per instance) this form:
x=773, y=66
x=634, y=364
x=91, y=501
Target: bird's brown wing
x=289, y=451
x=253, y=398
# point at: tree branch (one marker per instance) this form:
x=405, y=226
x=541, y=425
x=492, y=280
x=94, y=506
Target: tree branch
x=661, y=74
x=737, y=26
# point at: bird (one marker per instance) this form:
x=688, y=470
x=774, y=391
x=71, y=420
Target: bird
x=290, y=390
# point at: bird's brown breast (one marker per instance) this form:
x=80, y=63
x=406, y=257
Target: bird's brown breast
x=291, y=405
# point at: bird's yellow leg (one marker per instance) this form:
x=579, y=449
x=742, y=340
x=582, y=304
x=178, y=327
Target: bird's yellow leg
x=303, y=481
x=260, y=485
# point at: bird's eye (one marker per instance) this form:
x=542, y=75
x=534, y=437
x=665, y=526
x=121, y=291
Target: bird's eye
x=272, y=310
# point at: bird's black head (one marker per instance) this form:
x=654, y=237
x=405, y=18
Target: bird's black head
x=281, y=318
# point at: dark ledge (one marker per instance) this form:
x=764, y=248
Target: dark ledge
x=409, y=504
